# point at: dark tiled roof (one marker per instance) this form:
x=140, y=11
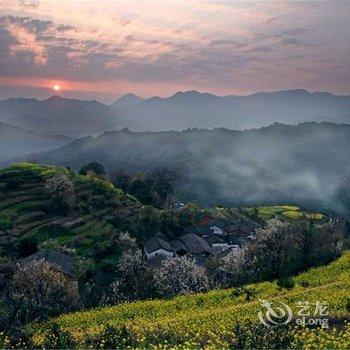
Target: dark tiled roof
x=63, y=262
x=214, y=240
x=155, y=243
x=219, y=223
x=195, y=244
x=190, y=230
x=246, y=227
x=178, y=245
x=201, y=230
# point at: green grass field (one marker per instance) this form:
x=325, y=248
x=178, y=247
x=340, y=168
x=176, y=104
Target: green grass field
x=208, y=319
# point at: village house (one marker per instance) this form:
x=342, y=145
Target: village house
x=156, y=247
x=217, y=227
x=194, y=246
x=206, y=220
x=241, y=229
x=63, y=263
x=198, y=230
x=217, y=243
x=210, y=237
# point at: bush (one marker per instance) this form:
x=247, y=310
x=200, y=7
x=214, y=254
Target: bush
x=286, y=282
x=93, y=168
x=5, y=223
x=249, y=293
x=304, y=283
x=83, y=207
x=347, y=305
x=98, y=202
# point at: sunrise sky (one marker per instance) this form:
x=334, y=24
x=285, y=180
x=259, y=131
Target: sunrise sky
x=102, y=49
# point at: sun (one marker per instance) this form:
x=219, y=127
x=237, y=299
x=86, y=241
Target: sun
x=56, y=87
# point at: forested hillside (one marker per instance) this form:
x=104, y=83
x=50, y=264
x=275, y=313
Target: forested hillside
x=306, y=164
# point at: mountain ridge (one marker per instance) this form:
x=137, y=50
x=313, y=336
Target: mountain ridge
x=16, y=141
x=186, y=109
x=182, y=110
x=305, y=164
x=59, y=115
x=126, y=100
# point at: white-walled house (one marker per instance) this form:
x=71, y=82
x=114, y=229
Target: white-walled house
x=216, y=230
x=156, y=247
x=234, y=247
x=217, y=243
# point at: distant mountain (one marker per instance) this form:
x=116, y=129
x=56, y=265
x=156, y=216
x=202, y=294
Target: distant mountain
x=193, y=109
x=127, y=100
x=306, y=164
x=16, y=142
x=183, y=110
x=58, y=115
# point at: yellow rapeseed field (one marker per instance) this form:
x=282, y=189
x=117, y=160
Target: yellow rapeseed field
x=208, y=320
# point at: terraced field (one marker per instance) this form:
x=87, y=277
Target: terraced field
x=25, y=210
x=290, y=212
x=210, y=320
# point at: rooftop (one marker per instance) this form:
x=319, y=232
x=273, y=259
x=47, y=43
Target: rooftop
x=156, y=243
x=63, y=262
x=195, y=244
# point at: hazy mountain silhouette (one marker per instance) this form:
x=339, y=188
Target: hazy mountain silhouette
x=307, y=164
x=15, y=141
x=189, y=109
x=58, y=115
x=127, y=100
x=203, y=110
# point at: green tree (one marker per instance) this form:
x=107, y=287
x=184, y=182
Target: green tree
x=93, y=168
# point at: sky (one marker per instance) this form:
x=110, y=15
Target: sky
x=103, y=49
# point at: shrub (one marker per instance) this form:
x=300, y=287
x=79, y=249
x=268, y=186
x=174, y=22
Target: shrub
x=98, y=202
x=5, y=223
x=304, y=283
x=83, y=207
x=347, y=305
x=93, y=168
x=286, y=282
x=249, y=293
